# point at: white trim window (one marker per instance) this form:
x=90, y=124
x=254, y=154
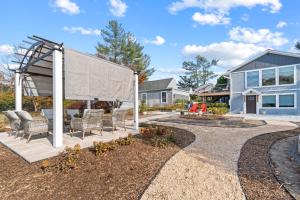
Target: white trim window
x=268, y=77
x=163, y=97
x=286, y=75
x=268, y=101
x=271, y=76
x=279, y=101
x=252, y=79
x=144, y=97
x=286, y=101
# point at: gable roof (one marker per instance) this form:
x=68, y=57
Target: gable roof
x=155, y=85
x=268, y=51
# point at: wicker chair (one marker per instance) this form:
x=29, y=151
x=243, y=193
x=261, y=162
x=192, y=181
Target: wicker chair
x=48, y=114
x=92, y=120
x=119, y=118
x=14, y=121
x=32, y=126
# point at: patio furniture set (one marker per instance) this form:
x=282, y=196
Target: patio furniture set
x=21, y=122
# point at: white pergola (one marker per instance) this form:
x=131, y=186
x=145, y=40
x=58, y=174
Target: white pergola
x=49, y=69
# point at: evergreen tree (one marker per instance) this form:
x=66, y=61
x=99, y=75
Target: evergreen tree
x=198, y=73
x=121, y=47
x=297, y=45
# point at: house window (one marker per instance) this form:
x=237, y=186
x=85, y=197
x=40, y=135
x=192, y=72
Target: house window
x=268, y=77
x=269, y=101
x=287, y=101
x=144, y=97
x=286, y=75
x=163, y=97
x=253, y=79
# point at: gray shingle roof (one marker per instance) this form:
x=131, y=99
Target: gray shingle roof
x=155, y=85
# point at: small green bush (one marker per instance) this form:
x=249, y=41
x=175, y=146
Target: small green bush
x=218, y=110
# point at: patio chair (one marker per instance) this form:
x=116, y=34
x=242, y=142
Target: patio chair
x=92, y=120
x=119, y=118
x=32, y=126
x=14, y=122
x=48, y=114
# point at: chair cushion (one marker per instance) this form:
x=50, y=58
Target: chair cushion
x=11, y=115
x=24, y=115
x=48, y=113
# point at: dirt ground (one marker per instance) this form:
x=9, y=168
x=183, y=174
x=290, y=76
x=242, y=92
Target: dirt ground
x=255, y=172
x=123, y=173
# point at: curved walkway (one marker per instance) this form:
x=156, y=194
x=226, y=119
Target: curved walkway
x=207, y=169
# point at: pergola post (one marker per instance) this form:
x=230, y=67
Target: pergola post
x=57, y=99
x=136, y=101
x=88, y=104
x=18, y=91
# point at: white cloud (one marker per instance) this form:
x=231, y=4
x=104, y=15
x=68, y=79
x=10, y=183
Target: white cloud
x=223, y=6
x=281, y=24
x=229, y=53
x=6, y=49
x=263, y=37
x=159, y=40
x=170, y=70
x=82, y=31
x=118, y=7
x=67, y=6
x=245, y=17
x=210, y=19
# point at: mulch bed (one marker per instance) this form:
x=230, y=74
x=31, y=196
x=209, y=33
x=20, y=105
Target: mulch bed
x=123, y=173
x=255, y=172
x=213, y=121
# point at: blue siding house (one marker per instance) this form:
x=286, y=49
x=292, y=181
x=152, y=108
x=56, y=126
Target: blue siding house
x=267, y=84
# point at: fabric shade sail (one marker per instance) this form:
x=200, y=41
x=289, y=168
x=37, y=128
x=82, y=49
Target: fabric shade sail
x=86, y=77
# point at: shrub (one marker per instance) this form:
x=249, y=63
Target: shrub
x=143, y=106
x=45, y=165
x=217, y=105
x=125, y=141
x=69, y=158
x=218, y=110
x=147, y=132
x=100, y=147
x=171, y=138
x=160, y=142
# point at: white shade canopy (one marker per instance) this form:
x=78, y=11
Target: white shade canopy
x=86, y=77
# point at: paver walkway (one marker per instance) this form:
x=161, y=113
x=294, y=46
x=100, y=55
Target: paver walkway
x=207, y=169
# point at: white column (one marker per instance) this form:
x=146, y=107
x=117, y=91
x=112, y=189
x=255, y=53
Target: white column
x=57, y=99
x=136, y=101
x=18, y=91
x=88, y=104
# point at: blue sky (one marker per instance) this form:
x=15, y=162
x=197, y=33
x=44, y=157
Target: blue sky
x=171, y=30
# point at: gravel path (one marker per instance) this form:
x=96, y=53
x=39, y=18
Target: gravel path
x=207, y=169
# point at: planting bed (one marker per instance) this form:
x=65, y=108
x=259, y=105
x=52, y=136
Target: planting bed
x=213, y=121
x=122, y=173
x=254, y=169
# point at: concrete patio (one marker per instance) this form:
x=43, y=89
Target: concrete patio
x=40, y=147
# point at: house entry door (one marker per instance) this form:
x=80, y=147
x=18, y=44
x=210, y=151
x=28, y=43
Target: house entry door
x=251, y=104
